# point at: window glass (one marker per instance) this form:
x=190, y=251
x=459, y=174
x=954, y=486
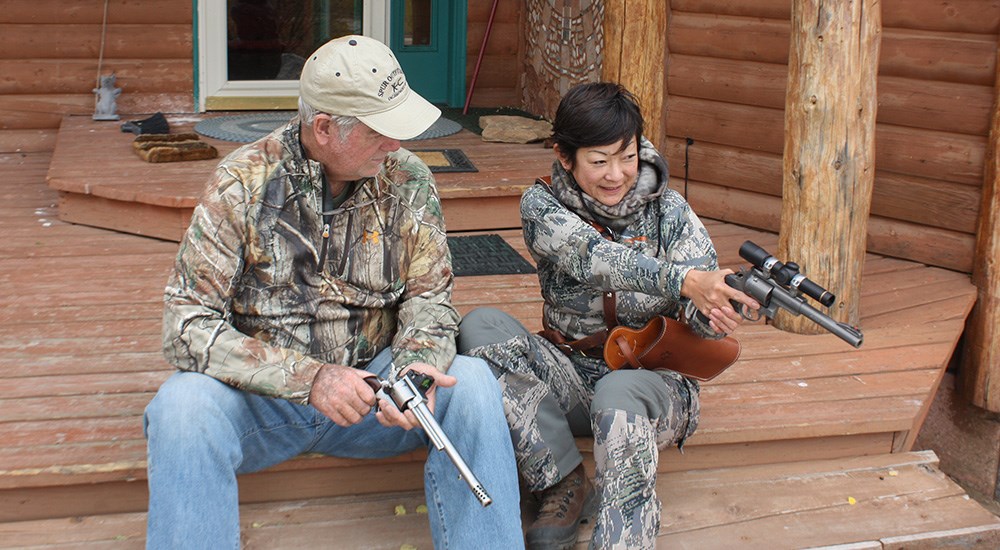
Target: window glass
x=417, y=23
x=270, y=39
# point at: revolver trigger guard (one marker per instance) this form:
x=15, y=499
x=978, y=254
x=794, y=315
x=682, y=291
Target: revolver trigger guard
x=753, y=316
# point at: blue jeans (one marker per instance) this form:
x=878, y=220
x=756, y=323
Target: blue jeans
x=201, y=433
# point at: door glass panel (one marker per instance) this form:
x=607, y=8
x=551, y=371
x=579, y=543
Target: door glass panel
x=270, y=39
x=417, y=23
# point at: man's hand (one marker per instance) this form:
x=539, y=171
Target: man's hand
x=342, y=394
x=389, y=415
x=711, y=295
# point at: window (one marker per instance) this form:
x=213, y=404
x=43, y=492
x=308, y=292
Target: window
x=250, y=52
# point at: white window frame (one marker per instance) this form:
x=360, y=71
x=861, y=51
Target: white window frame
x=212, y=62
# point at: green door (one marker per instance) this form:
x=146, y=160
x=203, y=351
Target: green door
x=428, y=38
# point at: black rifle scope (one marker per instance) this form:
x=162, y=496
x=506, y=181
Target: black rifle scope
x=785, y=274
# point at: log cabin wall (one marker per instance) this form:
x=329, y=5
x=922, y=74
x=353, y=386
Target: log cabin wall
x=727, y=69
x=49, y=52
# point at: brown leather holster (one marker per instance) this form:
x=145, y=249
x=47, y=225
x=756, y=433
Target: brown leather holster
x=664, y=343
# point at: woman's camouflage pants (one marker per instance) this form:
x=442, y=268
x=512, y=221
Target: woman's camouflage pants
x=632, y=415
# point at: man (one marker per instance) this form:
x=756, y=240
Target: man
x=318, y=258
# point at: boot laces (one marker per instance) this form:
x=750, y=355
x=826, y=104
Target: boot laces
x=557, y=502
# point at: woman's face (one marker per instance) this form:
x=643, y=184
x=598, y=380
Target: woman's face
x=605, y=172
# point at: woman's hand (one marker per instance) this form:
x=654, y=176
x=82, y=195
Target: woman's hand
x=711, y=295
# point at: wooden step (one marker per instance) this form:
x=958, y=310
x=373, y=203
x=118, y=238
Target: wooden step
x=892, y=501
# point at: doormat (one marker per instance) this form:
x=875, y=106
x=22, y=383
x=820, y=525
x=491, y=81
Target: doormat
x=442, y=127
x=485, y=255
x=445, y=160
x=243, y=128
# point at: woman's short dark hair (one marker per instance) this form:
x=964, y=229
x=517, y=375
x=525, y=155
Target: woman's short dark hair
x=596, y=113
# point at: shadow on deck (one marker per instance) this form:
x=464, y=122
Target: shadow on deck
x=805, y=441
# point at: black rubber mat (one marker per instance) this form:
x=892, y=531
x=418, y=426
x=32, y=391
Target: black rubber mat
x=485, y=255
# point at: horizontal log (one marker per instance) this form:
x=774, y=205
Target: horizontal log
x=745, y=126
x=718, y=202
x=900, y=239
x=45, y=111
x=929, y=55
x=136, y=41
x=496, y=71
x=923, y=201
x=934, y=105
x=930, y=154
x=24, y=120
x=971, y=16
x=729, y=37
x=772, y=9
x=932, y=246
x=952, y=57
x=496, y=97
x=913, y=199
x=744, y=169
x=732, y=81
x=119, y=11
x=76, y=76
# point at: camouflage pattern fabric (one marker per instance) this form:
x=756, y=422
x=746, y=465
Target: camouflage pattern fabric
x=529, y=368
x=248, y=302
x=626, y=445
x=655, y=239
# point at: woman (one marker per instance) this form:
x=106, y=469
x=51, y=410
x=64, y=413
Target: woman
x=606, y=227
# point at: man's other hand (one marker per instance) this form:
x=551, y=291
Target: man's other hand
x=342, y=394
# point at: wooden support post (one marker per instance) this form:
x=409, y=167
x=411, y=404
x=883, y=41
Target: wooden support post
x=829, y=151
x=635, y=55
x=979, y=375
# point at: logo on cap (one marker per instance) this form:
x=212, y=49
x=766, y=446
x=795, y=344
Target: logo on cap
x=396, y=80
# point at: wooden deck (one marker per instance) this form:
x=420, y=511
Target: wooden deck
x=99, y=177
x=789, y=434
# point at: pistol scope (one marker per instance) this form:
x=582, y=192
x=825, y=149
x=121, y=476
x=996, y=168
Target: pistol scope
x=785, y=274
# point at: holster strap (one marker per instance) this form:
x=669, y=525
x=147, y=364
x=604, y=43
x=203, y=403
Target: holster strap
x=629, y=354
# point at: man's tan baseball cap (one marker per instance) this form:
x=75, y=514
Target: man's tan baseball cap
x=359, y=76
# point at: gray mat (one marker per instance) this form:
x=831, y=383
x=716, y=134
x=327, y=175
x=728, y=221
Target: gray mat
x=243, y=128
x=253, y=126
x=441, y=127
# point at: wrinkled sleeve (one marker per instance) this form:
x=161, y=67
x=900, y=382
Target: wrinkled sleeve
x=427, y=322
x=557, y=235
x=198, y=334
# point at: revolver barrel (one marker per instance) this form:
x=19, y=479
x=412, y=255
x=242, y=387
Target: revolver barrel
x=407, y=396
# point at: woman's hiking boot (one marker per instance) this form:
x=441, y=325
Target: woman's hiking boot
x=562, y=508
